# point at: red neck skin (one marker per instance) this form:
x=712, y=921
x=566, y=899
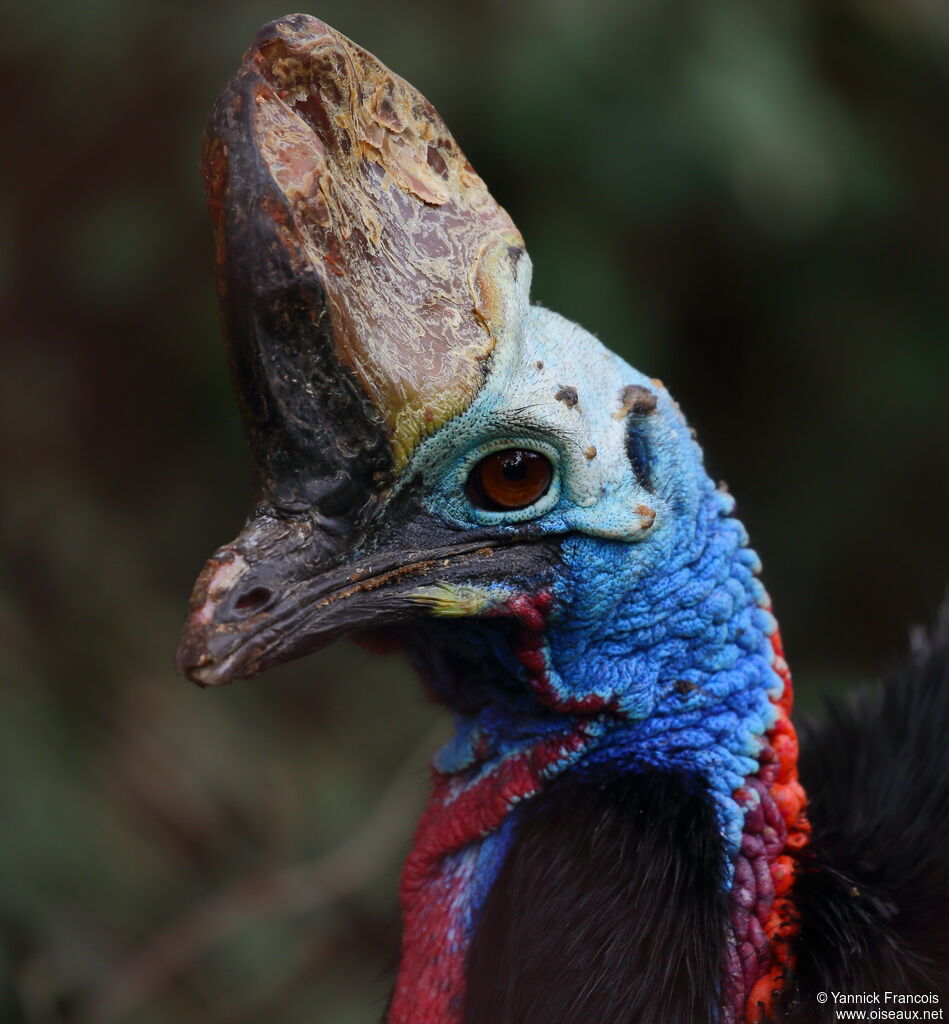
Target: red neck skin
x=762, y=916
x=462, y=832
x=465, y=832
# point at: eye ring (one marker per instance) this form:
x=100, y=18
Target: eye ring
x=509, y=480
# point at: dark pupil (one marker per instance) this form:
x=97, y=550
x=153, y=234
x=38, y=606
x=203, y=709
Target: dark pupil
x=514, y=467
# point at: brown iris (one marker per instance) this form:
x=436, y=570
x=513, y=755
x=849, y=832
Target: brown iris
x=510, y=479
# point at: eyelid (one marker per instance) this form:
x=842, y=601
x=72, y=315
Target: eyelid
x=497, y=444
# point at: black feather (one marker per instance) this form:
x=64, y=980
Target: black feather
x=873, y=895
x=608, y=909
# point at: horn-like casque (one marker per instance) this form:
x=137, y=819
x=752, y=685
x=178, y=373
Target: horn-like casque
x=363, y=266
x=365, y=276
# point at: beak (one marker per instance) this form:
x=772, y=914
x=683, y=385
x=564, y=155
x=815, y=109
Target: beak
x=278, y=592
x=365, y=275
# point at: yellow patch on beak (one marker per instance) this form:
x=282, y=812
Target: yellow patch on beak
x=448, y=601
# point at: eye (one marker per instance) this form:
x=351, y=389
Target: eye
x=510, y=479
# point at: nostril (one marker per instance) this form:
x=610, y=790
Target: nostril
x=253, y=599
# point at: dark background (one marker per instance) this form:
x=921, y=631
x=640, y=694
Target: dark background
x=750, y=201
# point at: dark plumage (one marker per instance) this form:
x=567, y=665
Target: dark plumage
x=599, y=870
x=874, y=891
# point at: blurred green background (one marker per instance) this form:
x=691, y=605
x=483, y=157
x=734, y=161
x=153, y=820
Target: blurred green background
x=750, y=201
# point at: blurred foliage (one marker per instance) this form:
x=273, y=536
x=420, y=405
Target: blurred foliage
x=748, y=200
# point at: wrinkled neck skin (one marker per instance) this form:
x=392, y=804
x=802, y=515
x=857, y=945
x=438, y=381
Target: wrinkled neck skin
x=662, y=656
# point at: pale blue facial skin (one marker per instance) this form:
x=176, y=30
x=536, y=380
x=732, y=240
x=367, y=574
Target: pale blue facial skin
x=594, y=490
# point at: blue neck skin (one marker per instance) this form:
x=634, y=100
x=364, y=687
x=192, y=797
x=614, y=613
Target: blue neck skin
x=672, y=642
x=656, y=653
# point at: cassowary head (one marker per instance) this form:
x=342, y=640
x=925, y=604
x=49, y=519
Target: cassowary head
x=617, y=830
x=441, y=462
x=429, y=447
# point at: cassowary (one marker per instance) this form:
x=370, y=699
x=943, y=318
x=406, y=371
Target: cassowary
x=618, y=831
